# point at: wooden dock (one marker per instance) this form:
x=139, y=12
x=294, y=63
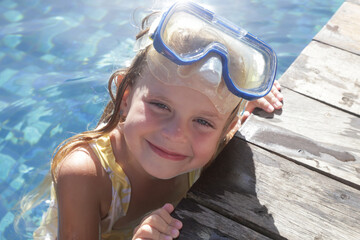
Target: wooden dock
x=293, y=174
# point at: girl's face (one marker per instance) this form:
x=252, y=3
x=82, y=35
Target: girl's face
x=170, y=130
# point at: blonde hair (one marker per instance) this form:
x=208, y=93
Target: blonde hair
x=122, y=78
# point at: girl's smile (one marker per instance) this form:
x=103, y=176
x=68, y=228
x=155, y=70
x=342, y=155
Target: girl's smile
x=166, y=154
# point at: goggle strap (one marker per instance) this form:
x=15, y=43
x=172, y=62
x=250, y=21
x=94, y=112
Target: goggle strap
x=142, y=42
x=242, y=107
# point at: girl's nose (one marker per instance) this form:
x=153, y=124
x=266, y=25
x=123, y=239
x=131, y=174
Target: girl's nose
x=175, y=130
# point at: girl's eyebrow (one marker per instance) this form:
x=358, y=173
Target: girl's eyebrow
x=158, y=96
x=210, y=114
x=207, y=114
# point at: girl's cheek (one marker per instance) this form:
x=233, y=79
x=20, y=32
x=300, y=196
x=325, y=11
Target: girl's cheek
x=206, y=134
x=205, y=144
x=142, y=114
x=152, y=115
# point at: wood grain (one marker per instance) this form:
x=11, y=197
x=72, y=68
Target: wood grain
x=201, y=223
x=327, y=74
x=343, y=29
x=354, y=1
x=269, y=193
x=311, y=133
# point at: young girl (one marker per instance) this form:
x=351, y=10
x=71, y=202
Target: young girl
x=175, y=108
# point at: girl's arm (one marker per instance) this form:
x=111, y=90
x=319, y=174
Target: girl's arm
x=79, y=187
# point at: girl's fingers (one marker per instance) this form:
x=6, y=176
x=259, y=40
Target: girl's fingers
x=277, y=85
x=270, y=100
x=245, y=115
x=148, y=232
x=250, y=106
x=266, y=103
x=159, y=225
x=169, y=208
x=276, y=92
x=274, y=99
x=164, y=213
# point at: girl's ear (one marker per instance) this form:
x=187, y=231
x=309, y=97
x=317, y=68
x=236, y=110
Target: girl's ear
x=118, y=80
x=125, y=101
x=232, y=129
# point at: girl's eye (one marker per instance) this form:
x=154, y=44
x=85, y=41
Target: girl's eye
x=160, y=105
x=204, y=123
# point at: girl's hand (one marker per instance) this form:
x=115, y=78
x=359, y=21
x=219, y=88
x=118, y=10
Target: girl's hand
x=268, y=103
x=159, y=225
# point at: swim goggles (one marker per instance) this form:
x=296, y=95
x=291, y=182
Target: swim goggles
x=248, y=64
x=190, y=46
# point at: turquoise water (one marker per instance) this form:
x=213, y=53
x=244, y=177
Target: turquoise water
x=56, y=57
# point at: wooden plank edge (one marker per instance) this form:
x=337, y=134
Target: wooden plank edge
x=289, y=79
x=298, y=162
x=354, y=1
x=284, y=86
x=243, y=221
x=199, y=222
x=215, y=199
x=334, y=46
x=317, y=170
x=328, y=27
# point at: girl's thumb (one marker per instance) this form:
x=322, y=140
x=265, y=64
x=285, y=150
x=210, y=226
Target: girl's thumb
x=168, y=207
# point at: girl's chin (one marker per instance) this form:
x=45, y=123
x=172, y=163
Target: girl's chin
x=155, y=173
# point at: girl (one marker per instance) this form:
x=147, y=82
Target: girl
x=175, y=108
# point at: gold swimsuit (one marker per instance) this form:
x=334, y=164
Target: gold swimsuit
x=121, y=193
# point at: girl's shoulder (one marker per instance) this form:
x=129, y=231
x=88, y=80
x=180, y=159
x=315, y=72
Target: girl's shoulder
x=83, y=193
x=81, y=166
x=79, y=162
x=81, y=175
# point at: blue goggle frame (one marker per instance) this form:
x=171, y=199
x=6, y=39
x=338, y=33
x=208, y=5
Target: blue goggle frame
x=218, y=48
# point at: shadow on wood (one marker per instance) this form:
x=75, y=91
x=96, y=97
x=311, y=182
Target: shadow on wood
x=231, y=176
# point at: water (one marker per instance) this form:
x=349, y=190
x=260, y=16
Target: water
x=56, y=57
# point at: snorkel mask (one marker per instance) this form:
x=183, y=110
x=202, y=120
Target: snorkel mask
x=193, y=47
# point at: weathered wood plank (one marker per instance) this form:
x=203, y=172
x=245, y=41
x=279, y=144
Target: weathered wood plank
x=354, y=1
x=328, y=74
x=343, y=29
x=265, y=191
x=312, y=133
x=201, y=223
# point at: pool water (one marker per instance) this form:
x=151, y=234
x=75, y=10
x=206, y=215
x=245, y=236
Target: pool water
x=56, y=57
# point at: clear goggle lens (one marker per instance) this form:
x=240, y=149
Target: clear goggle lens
x=249, y=65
